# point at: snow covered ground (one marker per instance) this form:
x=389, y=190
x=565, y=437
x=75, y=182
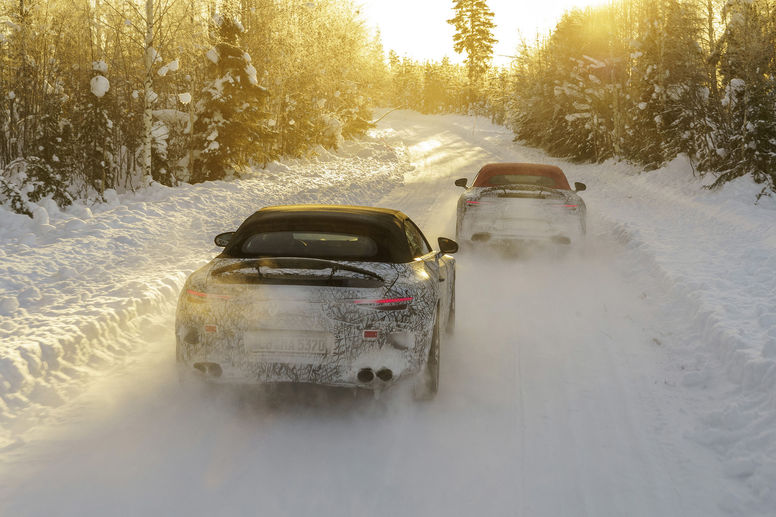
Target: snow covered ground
x=633, y=376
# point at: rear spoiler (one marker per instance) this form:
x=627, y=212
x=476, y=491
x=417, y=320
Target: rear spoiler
x=297, y=263
x=525, y=191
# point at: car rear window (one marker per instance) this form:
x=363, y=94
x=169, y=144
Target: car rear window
x=332, y=235
x=500, y=180
x=308, y=244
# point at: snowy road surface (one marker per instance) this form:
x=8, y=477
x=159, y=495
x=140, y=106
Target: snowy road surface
x=564, y=392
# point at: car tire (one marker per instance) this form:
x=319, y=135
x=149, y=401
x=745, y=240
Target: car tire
x=428, y=381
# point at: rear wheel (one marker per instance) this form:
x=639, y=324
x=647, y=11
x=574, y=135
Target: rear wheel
x=428, y=381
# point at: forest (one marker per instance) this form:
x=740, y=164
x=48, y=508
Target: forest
x=114, y=94
x=635, y=80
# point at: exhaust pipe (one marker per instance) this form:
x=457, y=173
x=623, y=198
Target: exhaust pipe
x=385, y=374
x=365, y=375
x=209, y=369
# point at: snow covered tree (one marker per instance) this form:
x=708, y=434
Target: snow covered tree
x=666, y=79
x=32, y=161
x=430, y=87
x=473, y=22
x=149, y=96
x=27, y=181
x=91, y=130
x=230, y=125
x=497, y=94
x=407, y=84
x=434, y=88
x=566, y=90
x=745, y=136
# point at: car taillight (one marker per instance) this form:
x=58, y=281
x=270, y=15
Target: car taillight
x=385, y=304
x=472, y=203
x=200, y=297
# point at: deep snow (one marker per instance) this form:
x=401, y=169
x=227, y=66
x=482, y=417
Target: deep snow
x=632, y=376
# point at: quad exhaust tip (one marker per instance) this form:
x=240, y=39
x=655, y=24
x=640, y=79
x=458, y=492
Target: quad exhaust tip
x=209, y=369
x=481, y=237
x=385, y=374
x=367, y=375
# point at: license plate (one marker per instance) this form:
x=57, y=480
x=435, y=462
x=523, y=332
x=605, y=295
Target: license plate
x=522, y=225
x=293, y=344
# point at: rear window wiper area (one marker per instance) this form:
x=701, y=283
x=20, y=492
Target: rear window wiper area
x=524, y=191
x=297, y=271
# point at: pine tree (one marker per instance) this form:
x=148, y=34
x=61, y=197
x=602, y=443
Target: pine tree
x=474, y=26
x=230, y=128
x=91, y=130
x=666, y=77
x=746, y=128
x=433, y=88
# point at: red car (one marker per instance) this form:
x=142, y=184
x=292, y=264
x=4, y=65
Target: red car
x=520, y=202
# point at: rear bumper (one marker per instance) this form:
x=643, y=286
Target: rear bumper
x=371, y=364
x=482, y=230
x=376, y=372
x=500, y=239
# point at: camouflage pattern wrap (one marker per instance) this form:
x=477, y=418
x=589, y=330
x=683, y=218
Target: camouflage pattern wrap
x=527, y=213
x=257, y=331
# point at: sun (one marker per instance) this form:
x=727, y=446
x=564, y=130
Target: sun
x=419, y=28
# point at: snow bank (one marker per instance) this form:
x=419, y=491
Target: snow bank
x=73, y=282
x=715, y=253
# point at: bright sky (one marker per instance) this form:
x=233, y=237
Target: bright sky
x=419, y=28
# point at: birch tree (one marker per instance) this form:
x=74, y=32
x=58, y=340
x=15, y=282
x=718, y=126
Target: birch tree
x=148, y=91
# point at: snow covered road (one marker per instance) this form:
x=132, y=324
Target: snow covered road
x=564, y=392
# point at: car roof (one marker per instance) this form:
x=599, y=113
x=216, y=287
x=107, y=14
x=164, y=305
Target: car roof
x=365, y=214
x=384, y=225
x=333, y=209
x=538, y=169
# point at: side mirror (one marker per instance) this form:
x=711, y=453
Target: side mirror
x=447, y=245
x=579, y=187
x=222, y=239
x=460, y=182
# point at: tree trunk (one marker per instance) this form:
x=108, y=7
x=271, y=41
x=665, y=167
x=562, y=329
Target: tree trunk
x=148, y=87
x=712, y=48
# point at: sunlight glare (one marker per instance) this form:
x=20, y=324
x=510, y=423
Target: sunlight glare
x=425, y=34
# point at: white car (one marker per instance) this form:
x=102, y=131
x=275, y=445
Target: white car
x=511, y=202
x=332, y=295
